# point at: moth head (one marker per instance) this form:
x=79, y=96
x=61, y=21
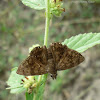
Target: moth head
x=54, y=76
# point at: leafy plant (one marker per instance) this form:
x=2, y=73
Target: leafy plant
x=34, y=85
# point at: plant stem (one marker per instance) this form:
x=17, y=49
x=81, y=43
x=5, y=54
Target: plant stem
x=47, y=27
x=46, y=31
x=47, y=22
x=45, y=41
x=34, y=98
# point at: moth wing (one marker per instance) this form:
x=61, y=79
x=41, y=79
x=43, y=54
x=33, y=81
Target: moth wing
x=57, y=50
x=64, y=57
x=40, y=54
x=70, y=58
x=35, y=64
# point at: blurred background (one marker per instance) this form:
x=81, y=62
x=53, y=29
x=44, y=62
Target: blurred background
x=21, y=27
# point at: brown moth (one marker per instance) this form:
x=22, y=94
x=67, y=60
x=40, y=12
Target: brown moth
x=42, y=60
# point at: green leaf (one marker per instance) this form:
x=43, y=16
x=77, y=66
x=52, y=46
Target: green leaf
x=14, y=82
x=82, y=42
x=36, y=4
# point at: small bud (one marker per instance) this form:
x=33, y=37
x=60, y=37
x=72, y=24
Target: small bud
x=26, y=77
x=63, y=9
x=34, y=85
x=30, y=90
x=22, y=80
x=27, y=85
x=58, y=6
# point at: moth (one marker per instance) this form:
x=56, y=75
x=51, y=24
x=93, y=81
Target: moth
x=44, y=60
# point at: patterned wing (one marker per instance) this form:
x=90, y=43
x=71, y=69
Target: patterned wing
x=57, y=50
x=40, y=53
x=70, y=58
x=64, y=57
x=35, y=64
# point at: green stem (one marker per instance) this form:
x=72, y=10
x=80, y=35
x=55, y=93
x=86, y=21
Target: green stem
x=47, y=27
x=45, y=40
x=34, y=98
x=46, y=31
x=47, y=22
